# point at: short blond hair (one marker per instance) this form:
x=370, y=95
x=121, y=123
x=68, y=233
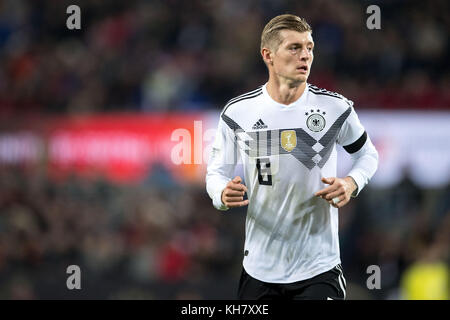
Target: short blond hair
x=270, y=37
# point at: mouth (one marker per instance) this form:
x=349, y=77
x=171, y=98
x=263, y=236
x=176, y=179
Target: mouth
x=303, y=69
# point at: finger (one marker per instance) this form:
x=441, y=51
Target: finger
x=238, y=187
x=328, y=180
x=341, y=201
x=332, y=203
x=334, y=194
x=231, y=192
x=238, y=204
x=234, y=199
x=237, y=179
x=326, y=190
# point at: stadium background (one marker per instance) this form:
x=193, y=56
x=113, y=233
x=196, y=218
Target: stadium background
x=88, y=133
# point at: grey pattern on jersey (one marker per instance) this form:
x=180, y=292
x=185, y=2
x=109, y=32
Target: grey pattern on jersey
x=309, y=151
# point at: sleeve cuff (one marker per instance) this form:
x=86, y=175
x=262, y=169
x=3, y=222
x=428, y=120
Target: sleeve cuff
x=359, y=180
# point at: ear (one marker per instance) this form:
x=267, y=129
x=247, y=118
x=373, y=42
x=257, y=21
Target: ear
x=267, y=56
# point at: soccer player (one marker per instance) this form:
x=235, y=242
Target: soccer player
x=285, y=134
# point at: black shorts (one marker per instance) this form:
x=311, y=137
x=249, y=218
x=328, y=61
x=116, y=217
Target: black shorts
x=329, y=285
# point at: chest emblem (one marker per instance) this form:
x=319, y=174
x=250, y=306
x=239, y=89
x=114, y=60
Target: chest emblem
x=315, y=122
x=288, y=140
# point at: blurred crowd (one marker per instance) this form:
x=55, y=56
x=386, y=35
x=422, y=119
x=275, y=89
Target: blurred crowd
x=126, y=239
x=134, y=242
x=173, y=54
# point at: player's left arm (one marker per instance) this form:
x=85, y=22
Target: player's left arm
x=357, y=143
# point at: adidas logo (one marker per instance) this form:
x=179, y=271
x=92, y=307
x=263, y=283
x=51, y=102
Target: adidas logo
x=259, y=125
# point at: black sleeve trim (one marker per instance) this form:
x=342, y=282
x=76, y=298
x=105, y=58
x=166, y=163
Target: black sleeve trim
x=357, y=145
x=230, y=122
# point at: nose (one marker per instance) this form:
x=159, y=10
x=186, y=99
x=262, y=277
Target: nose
x=305, y=54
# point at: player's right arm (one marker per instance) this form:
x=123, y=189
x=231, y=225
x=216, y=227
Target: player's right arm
x=224, y=191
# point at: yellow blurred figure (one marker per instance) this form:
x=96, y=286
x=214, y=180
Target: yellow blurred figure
x=426, y=281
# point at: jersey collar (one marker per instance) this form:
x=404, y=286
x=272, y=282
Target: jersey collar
x=299, y=101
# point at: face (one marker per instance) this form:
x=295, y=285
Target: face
x=294, y=56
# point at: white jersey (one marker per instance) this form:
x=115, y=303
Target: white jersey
x=291, y=235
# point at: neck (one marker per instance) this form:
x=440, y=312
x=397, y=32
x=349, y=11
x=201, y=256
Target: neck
x=285, y=92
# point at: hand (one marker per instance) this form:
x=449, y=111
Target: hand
x=339, y=188
x=233, y=194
